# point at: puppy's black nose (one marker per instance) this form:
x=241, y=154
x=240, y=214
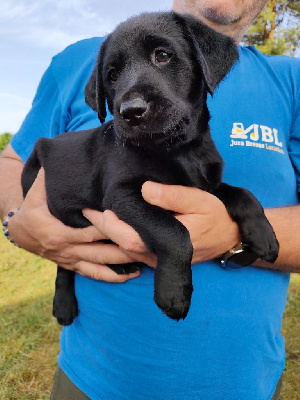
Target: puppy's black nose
x=133, y=111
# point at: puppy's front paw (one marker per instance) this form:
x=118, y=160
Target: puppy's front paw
x=65, y=307
x=259, y=235
x=173, y=300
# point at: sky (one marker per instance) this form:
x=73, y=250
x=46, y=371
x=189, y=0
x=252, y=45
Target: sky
x=33, y=31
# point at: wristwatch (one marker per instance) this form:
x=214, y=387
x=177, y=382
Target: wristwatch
x=241, y=255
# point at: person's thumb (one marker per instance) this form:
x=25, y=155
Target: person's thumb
x=37, y=192
x=179, y=199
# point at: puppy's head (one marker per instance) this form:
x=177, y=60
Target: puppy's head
x=154, y=71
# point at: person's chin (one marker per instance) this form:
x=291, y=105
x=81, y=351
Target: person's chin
x=220, y=18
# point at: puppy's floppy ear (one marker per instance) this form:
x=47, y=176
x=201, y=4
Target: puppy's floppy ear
x=215, y=52
x=94, y=91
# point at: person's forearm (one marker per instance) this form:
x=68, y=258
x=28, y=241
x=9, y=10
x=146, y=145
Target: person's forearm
x=10, y=175
x=285, y=222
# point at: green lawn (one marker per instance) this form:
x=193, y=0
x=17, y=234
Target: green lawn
x=29, y=336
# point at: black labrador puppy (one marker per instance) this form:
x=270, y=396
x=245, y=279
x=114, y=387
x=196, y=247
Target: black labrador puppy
x=154, y=71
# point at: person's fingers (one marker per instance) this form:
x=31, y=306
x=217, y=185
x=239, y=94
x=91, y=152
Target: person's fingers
x=123, y=235
x=180, y=199
x=37, y=198
x=101, y=272
x=118, y=231
x=101, y=253
x=84, y=235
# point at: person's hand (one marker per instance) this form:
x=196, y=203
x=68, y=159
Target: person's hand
x=36, y=230
x=122, y=234
x=211, y=229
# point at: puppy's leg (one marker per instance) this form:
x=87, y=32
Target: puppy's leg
x=247, y=212
x=170, y=241
x=65, y=307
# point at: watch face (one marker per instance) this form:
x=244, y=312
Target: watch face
x=242, y=259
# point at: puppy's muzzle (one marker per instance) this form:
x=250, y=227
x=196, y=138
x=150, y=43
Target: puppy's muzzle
x=134, y=111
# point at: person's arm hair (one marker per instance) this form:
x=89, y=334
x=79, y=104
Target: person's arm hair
x=285, y=222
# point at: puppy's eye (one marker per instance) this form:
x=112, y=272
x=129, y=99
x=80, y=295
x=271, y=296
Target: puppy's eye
x=161, y=56
x=113, y=75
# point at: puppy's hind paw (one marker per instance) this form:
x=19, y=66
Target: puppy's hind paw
x=65, y=307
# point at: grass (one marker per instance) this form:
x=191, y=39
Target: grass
x=29, y=336
x=291, y=329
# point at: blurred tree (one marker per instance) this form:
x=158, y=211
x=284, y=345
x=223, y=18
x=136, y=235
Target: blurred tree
x=4, y=140
x=277, y=29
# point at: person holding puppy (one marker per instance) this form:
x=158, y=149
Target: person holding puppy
x=121, y=346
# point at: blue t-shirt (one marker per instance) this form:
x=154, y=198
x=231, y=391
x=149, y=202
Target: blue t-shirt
x=121, y=346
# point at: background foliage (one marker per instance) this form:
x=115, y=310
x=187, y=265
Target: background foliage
x=277, y=29
x=4, y=140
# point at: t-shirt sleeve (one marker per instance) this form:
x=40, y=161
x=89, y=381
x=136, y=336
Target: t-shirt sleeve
x=45, y=118
x=294, y=147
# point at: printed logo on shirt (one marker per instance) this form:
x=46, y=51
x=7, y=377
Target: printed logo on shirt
x=259, y=136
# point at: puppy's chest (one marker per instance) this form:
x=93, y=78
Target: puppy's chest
x=164, y=168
